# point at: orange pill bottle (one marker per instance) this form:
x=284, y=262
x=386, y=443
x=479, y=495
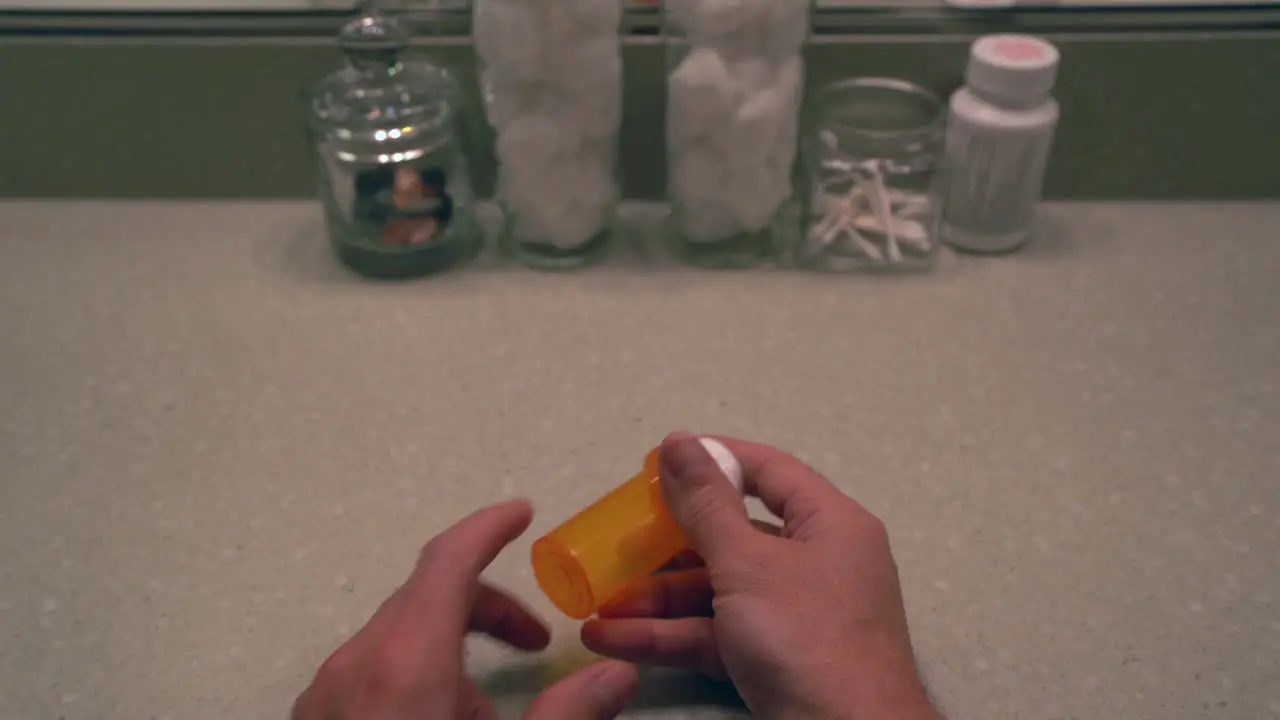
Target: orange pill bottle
x=617, y=540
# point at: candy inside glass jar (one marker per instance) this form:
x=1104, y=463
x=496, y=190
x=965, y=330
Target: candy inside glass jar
x=871, y=155
x=393, y=180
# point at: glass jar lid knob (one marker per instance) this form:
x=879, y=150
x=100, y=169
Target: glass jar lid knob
x=373, y=41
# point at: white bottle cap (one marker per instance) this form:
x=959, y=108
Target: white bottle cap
x=1019, y=67
x=729, y=464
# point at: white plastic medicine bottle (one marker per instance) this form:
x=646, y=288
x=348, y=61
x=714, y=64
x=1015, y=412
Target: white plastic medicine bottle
x=999, y=133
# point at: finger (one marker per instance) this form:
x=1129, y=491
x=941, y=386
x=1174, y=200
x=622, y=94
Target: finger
x=688, y=559
x=596, y=692
x=685, y=643
x=464, y=550
x=767, y=527
x=385, y=616
x=502, y=617
x=685, y=560
x=308, y=705
x=439, y=593
x=704, y=503
x=685, y=593
x=473, y=704
x=787, y=486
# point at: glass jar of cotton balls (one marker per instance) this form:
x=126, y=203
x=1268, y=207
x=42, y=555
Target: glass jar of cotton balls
x=734, y=90
x=873, y=190
x=551, y=79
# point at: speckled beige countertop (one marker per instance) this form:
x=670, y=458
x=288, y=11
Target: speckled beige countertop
x=218, y=452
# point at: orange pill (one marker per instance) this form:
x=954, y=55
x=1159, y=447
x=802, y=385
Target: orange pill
x=620, y=538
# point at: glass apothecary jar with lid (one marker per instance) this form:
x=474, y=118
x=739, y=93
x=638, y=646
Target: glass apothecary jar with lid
x=397, y=196
x=873, y=180
x=735, y=84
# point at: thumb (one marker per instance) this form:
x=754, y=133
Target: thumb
x=703, y=501
x=596, y=692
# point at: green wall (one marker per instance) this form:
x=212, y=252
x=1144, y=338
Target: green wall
x=1145, y=115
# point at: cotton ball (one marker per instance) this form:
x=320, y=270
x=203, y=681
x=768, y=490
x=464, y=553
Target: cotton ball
x=789, y=88
x=533, y=138
x=760, y=162
x=569, y=203
x=753, y=132
x=558, y=24
x=684, y=122
x=578, y=205
x=698, y=175
x=568, y=227
x=568, y=54
x=750, y=77
x=532, y=145
x=596, y=189
x=782, y=157
x=507, y=39
x=730, y=26
x=789, y=80
x=588, y=175
x=706, y=224
x=485, y=29
x=698, y=179
x=592, y=79
x=699, y=208
x=589, y=66
x=754, y=194
x=523, y=203
x=690, y=19
x=786, y=25
x=573, y=226
x=599, y=114
x=600, y=154
x=682, y=15
x=698, y=96
x=537, y=207
x=597, y=17
x=526, y=226
x=552, y=89
x=505, y=101
x=520, y=189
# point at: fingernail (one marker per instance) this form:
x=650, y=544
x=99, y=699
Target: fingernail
x=682, y=455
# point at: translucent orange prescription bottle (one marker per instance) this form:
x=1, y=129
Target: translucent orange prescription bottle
x=620, y=538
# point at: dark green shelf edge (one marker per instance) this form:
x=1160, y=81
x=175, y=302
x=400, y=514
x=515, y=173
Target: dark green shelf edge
x=1149, y=115
x=452, y=19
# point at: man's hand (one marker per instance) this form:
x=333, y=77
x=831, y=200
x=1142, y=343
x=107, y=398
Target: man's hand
x=806, y=620
x=406, y=663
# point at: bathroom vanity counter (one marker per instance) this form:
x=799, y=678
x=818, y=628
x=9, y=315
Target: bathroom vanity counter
x=219, y=451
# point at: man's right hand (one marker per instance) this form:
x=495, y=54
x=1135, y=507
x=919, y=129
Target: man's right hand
x=808, y=623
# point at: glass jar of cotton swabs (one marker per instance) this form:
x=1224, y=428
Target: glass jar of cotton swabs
x=873, y=190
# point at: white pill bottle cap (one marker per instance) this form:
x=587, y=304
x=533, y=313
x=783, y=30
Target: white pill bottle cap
x=1020, y=68
x=725, y=459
